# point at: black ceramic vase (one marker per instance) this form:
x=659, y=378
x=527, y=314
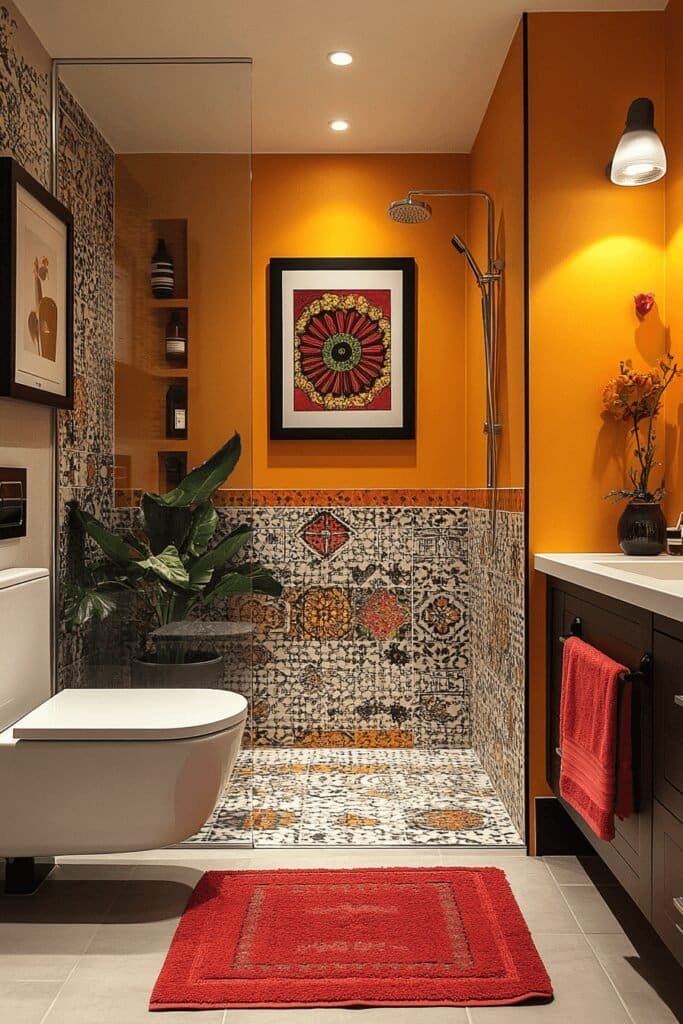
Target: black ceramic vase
x=642, y=528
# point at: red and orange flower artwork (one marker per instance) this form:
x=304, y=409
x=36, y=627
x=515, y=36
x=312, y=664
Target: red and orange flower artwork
x=342, y=350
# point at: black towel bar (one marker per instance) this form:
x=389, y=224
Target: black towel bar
x=636, y=676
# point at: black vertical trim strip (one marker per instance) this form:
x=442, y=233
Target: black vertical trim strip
x=527, y=504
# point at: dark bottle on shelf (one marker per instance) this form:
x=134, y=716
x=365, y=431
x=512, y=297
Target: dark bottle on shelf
x=176, y=411
x=162, y=274
x=175, y=468
x=176, y=339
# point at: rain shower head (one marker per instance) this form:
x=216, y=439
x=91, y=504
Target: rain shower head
x=409, y=211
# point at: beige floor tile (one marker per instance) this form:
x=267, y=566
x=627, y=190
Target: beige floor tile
x=145, y=918
x=41, y=951
x=95, y=871
x=370, y=1015
x=43, y=935
x=648, y=979
x=26, y=1002
x=579, y=871
x=405, y=1015
x=583, y=992
x=313, y=1016
x=267, y=860
x=590, y=909
x=116, y=990
x=539, y=898
x=567, y=871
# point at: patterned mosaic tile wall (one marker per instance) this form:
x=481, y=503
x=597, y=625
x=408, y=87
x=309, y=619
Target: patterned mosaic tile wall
x=85, y=185
x=369, y=645
x=86, y=433
x=497, y=653
x=24, y=111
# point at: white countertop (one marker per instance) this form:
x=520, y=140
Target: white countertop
x=655, y=584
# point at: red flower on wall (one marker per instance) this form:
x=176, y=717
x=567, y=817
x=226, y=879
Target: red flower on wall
x=644, y=302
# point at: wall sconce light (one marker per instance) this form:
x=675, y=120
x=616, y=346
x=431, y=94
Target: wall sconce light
x=639, y=158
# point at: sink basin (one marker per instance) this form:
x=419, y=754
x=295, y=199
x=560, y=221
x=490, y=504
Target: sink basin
x=654, y=570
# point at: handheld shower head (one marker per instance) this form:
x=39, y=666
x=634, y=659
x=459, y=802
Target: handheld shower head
x=409, y=211
x=458, y=244
x=461, y=247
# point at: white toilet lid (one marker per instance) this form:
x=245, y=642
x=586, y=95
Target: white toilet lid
x=129, y=714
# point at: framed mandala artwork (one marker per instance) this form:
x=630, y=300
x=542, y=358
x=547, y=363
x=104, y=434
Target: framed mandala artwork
x=342, y=348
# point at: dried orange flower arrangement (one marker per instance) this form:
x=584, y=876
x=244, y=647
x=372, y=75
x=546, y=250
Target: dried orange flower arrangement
x=637, y=399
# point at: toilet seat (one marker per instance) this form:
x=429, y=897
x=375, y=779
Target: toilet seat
x=132, y=714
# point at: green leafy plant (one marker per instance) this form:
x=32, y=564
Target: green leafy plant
x=172, y=563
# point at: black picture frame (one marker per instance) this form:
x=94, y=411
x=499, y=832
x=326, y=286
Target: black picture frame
x=12, y=178
x=281, y=432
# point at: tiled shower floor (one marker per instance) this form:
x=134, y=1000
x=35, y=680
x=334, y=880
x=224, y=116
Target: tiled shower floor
x=343, y=797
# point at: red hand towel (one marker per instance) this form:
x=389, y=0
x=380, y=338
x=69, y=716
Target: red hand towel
x=596, y=775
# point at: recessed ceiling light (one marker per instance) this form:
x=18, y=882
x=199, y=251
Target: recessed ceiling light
x=340, y=58
x=339, y=125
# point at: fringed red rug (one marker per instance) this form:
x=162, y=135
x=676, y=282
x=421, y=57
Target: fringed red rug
x=364, y=937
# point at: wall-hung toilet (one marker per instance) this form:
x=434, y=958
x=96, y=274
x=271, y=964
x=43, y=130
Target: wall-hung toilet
x=99, y=771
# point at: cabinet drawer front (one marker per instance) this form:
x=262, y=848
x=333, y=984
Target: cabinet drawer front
x=668, y=702
x=667, y=889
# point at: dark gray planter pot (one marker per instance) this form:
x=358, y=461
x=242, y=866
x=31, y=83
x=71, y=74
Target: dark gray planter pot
x=642, y=528
x=189, y=675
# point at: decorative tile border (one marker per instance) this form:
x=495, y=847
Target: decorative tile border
x=510, y=499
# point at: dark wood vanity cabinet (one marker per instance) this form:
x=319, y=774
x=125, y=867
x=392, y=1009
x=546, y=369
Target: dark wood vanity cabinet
x=667, y=875
x=646, y=854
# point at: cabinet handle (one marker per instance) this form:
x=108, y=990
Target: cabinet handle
x=678, y=700
x=678, y=904
x=558, y=752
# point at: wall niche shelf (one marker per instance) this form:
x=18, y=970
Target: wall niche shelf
x=172, y=371
x=174, y=303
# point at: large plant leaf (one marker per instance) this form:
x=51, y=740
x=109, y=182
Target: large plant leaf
x=165, y=525
x=229, y=585
x=260, y=579
x=167, y=565
x=205, y=480
x=202, y=529
x=120, y=550
x=221, y=554
x=83, y=604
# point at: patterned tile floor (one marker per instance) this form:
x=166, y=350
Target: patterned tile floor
x=344, y=797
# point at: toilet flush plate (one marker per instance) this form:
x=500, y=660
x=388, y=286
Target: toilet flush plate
x=130, y=714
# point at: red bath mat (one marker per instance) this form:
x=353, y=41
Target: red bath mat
x=361, y=937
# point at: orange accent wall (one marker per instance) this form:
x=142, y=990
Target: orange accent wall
x=673, y=22
x=321, y=205
x=497, y=167
x=592, y=246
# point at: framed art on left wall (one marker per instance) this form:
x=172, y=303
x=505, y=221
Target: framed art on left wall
x=36, y=291
x=342, y=348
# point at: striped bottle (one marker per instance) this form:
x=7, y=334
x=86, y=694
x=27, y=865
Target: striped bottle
x=161, y=272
